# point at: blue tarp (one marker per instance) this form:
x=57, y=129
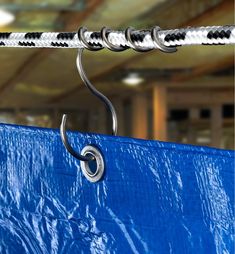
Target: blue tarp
x=155, y=197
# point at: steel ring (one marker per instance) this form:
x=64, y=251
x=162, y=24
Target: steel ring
x=128, y=32
x=107, y=43
x=157, y=42
x=92, y=170
x=84, y=42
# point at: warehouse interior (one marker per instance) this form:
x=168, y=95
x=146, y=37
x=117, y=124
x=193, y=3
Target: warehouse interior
x=184, y=97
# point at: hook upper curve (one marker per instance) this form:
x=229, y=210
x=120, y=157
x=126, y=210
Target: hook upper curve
x=98, y=94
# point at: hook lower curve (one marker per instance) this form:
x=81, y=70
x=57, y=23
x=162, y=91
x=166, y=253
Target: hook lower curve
x=66, y=143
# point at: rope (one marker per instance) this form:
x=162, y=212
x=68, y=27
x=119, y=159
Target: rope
x=215, y=35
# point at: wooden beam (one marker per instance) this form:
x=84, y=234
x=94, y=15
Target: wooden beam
x=41, y=54
x=139, y=116
x=200, y=97
x=72, y=21
x=95, y=78
x=160, y=112
x=207, y=82
x=197, y=86
x=191, y=132
x=205, y=68
x=196, y=12
x=222, y=8
x=23, y=70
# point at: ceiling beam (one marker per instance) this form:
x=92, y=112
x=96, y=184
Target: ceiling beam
x=41, y=54
x=74, y=21
x=120, y=90
x=194, y=12
x=205, y=68
x=221, y=9
x=185, y=96
x=24, y=69
x=14, y=7
x=160, y=15
x=199, y=97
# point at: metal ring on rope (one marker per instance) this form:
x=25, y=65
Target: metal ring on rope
x=128, y=33
x=157, y=42
x=81, y=37
x=107, y=43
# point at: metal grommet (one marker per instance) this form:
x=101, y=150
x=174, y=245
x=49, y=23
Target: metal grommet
x=93, y=170
x=128, y=32
x=107, y=43
x=83, y=40
x=158, y=43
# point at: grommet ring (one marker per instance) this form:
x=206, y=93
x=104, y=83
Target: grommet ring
x=107, y=43
x=133, y=45
x=93, y=170
x=156, y=40
x=83, y=40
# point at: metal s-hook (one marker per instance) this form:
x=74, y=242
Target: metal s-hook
x=98, y=94
x=92, y=163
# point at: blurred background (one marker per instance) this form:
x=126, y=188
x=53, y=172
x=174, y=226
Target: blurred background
x=185, y=97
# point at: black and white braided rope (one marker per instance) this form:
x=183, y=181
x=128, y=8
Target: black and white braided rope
x=214, y=35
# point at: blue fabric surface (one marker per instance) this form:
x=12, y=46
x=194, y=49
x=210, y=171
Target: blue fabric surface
x=155, y=197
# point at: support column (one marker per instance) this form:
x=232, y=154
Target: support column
x=140, y=116
x=216, y=126
x=193, y=116
x=160, y=112
x=56, y=118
